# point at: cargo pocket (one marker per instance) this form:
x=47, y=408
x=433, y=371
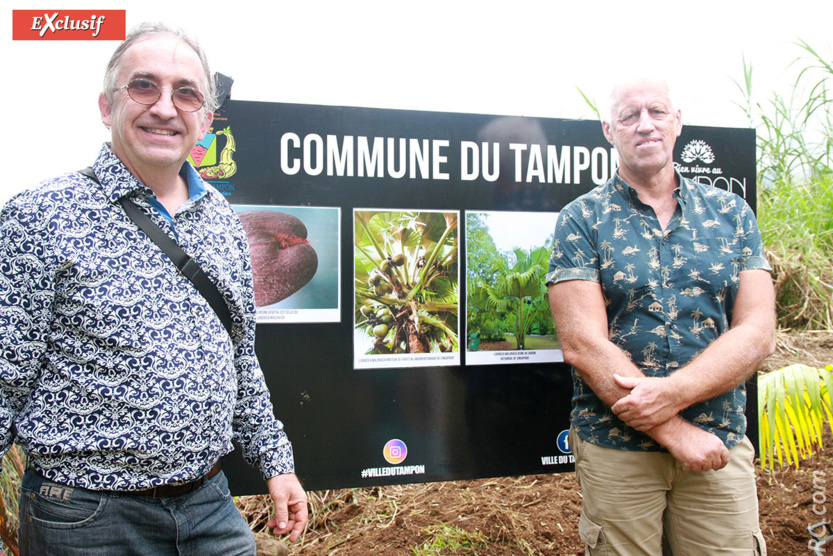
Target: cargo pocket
x=589, y=532
x=760, y=543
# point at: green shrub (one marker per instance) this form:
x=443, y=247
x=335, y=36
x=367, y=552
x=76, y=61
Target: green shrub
x=795, y=190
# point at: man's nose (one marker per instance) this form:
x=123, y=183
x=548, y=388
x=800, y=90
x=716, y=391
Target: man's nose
x=164, y=107
x=646, y=123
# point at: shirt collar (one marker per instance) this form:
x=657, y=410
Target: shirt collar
x=196, y=187
x=681, y=192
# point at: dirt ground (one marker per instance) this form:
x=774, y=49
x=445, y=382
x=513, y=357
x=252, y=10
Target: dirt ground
x=537, y=515
x=497, y=346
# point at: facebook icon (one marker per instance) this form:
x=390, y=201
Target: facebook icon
x=563, y=442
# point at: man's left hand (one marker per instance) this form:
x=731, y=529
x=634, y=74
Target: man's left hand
x=290, y=502
x=651, y=402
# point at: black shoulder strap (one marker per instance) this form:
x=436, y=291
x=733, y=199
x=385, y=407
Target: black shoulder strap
x=186, y=265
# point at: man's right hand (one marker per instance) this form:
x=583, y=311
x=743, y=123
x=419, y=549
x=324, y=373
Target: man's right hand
x=695, y=448
x=290, y=500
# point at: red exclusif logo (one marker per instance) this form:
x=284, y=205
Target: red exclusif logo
x=68, y=25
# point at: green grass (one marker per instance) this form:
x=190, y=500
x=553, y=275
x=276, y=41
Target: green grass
x=536, y=342
x=797, y=230
x=795, y=189
x=13, y=467
x=450, y=539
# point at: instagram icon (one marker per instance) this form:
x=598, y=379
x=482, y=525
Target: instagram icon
x=395, y=451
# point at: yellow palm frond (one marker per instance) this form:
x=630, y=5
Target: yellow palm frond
x=793, y=405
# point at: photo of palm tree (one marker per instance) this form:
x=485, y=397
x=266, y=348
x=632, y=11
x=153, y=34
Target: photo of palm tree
x=507, y=309
x=406, y=287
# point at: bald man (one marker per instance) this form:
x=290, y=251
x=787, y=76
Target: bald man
x=664, y=303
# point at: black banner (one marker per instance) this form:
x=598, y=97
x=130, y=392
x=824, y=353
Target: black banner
x=374, y=320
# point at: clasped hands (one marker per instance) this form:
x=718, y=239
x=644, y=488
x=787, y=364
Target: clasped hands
x=652, y=405
x=651, y=401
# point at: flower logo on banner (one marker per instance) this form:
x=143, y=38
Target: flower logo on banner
x=697, y=150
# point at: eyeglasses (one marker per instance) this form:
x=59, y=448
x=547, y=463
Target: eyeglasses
x=143, y=91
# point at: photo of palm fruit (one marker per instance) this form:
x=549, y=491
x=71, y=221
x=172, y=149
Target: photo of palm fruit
x=283, y=261
x=406, y=282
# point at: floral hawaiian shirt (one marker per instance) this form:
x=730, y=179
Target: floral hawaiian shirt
x=115, y=373
x=669, y=293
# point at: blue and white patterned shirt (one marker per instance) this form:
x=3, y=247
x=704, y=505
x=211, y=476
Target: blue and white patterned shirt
x=115, y=373
x=669, y=293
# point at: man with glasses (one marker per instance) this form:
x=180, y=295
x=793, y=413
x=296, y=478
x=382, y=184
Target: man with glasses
x=664, y=304
x=116, y=375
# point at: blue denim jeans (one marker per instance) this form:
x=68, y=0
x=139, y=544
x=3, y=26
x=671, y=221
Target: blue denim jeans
x=58, y=520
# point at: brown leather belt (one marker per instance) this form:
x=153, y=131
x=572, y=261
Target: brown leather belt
x=166, y=491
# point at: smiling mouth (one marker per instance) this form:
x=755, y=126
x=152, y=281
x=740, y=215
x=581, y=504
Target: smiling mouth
x=648, y=143
x=159, y=131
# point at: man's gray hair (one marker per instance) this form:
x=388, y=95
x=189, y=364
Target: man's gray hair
x=145, y=31
x=608, y=103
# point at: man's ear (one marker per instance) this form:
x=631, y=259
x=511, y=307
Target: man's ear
x=679, y=122
x=606, y=131
x=206, y=124
x=105, y=108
